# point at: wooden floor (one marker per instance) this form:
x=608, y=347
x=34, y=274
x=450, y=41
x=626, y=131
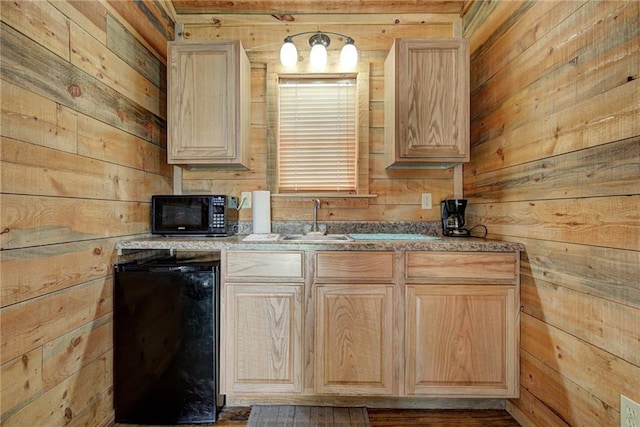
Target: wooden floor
x=236, y=416
x=403, y=417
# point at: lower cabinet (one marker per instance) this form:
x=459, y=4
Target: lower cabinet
x=320, y=324
x=354, y=295
x=262, y=334
x=461, y=340
x=354, y=339
x=461, y=329
x=263, y=338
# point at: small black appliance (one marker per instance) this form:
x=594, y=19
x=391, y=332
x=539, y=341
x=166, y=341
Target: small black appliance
x=194, y=215
x=453, y=217
x=167, y=342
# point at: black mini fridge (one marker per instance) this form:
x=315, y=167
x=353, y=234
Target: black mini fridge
x=166, y=342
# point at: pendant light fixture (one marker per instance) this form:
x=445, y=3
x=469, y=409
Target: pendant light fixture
x=319, y=42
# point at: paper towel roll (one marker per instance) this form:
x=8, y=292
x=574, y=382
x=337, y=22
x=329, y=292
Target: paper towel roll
x=261, y=203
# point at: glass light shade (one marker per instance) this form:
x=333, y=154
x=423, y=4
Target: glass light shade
x=349, y=55
x=288, y=54
x=318, y=56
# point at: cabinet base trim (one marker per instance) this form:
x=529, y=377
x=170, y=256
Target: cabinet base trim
x=368, y=401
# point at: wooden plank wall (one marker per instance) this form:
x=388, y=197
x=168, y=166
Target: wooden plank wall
x=83, y=148
x=398, y=192
x=555, y=164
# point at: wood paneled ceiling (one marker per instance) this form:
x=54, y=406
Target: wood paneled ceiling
x=282, y=7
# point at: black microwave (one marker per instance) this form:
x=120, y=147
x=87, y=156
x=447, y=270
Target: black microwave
x=194, y=215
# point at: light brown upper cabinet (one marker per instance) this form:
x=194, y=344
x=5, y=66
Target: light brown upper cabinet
x=209, y=104
x=426, y=84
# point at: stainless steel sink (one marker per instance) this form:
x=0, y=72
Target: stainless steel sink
x=317, y=238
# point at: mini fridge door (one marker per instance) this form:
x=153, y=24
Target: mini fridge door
x=166, y=339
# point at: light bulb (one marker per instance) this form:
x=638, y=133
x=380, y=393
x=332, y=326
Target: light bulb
x=349, y=55
x=318, y=56
x=288, y=54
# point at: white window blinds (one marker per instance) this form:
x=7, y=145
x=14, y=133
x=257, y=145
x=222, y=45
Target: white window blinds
x=317, y=135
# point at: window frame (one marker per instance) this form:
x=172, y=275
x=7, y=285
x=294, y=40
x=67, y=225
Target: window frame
x=361, y=74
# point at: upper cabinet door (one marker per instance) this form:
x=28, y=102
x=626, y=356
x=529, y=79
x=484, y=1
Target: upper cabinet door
x=427, y=103
x=209, y=104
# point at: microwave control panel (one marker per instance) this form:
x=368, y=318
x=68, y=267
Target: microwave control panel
x=217, y=213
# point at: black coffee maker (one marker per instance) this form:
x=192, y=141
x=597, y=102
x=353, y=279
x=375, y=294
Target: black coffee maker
x=453, y=217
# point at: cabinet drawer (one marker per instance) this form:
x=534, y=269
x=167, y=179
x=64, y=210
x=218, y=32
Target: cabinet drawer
x=355, y=265
x=473, y=267
x=254, y=264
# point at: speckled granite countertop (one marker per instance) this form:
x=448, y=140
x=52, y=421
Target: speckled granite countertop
x=472, y=244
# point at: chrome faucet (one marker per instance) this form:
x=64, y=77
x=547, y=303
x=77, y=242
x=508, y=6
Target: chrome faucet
x=314, y=225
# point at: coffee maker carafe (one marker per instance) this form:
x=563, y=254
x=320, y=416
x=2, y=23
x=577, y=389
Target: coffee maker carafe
x=453, y=217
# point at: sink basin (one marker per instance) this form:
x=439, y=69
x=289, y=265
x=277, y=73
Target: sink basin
x=317, y=238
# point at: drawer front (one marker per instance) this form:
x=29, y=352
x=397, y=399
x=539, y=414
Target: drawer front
x=468, y=266
x=259, y=264
x=355, y=265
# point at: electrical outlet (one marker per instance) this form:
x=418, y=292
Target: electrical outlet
x=629, y=412
x=245, y=200
x=426, y=201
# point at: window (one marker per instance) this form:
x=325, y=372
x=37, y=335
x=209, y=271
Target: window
x=317, y=134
